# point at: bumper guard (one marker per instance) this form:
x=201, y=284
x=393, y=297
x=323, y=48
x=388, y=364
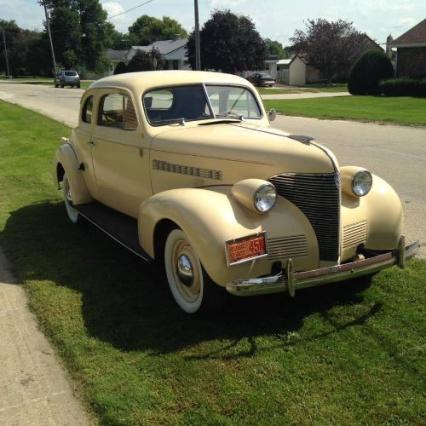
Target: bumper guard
x=290, y=281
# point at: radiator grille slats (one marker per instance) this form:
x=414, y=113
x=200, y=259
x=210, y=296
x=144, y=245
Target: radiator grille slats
x=318, y=197
x=355, y=234
x=287, y=247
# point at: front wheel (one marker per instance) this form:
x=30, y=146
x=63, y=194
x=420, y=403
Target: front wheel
x=191, y=287
x=72, y=213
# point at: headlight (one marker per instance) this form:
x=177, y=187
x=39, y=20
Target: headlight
x=265, y=198
x=257, y=195
x=361, y=183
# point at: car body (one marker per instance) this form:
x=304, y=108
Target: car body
x=67, y=78
x=183, y=167
x=262, y=79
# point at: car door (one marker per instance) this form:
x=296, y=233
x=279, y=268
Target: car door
x=120, y=153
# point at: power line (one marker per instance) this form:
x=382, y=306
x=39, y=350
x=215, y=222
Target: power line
x=132, y=8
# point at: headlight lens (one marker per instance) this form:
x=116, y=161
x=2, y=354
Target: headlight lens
x=265, y=198
x=361, y=183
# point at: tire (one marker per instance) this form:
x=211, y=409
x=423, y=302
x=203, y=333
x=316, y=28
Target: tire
x=62, y=86
x=191, y=287
x=72, y=213
x=78, y=86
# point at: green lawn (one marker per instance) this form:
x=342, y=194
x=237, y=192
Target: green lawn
x=339, y=355
x=399, y=110
x=311, y=88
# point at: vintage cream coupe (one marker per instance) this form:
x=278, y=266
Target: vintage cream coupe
x=183, y=168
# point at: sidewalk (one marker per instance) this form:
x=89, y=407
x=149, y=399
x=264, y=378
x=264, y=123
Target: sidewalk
x=34, y=389
x=306, y=95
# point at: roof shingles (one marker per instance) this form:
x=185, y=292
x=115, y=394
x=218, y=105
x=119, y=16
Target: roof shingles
x=414, y=36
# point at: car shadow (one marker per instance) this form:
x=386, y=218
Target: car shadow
x=126, y=302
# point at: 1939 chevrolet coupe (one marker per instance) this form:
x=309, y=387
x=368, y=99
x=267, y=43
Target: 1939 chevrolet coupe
x=183, y=168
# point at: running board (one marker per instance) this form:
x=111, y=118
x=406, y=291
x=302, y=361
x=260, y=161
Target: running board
x=120, y=227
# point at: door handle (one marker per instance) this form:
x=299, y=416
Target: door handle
x=92, y=142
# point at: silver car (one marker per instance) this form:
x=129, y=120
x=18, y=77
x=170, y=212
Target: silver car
x=67, y=78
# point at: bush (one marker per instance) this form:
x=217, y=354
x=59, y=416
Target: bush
x=403, y=87
x=371, y=68
x=120, y=68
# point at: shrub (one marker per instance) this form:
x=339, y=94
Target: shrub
x=120, y=68
x=371, y=68
x=403, y=87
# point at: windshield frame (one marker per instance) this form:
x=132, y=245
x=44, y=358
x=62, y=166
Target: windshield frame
x=208, y=101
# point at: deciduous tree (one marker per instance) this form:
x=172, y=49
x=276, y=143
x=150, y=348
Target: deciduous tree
x=229, y=43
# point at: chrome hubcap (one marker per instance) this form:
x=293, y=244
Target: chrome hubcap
x=185, y=270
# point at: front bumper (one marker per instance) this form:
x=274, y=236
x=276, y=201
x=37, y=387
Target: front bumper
x=290, y=281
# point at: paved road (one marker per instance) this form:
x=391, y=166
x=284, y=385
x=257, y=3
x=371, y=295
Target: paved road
x=396, y=153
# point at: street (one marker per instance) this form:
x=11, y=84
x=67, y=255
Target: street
x=396, y=153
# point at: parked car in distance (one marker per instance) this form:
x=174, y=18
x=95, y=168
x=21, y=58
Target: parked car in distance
x=183, y=168
x=262, y=79
x=67, y=78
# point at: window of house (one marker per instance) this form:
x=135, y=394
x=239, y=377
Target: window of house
x=87, y=112
x=116, y=110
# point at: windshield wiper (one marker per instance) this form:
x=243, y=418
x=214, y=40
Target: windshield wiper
x=231, y=115
x=179, y=120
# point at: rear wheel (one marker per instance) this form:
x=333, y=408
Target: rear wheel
x=72, y=213
x=191, y=287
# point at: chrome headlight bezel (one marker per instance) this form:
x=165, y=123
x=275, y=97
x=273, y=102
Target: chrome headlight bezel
x=265, y=198
x=362, y=182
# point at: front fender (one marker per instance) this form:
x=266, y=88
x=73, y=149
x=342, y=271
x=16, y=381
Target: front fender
x=210, y=217
x=67, y=158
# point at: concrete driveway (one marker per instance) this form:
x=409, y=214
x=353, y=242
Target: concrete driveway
x=396, y=153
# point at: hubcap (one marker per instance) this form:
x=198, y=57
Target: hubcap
x=185, y=270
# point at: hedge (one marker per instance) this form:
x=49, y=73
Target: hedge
x=403, y=87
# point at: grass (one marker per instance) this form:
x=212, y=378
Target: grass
x=311, y=88
x=399, y=110
x=344, y=354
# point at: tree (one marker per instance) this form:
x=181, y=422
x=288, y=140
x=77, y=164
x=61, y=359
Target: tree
x=145, y=61
x=330, y=46
x=147, y=29
x=371, y=68
x=80, y=32
x=275, y=49
x=229, y=43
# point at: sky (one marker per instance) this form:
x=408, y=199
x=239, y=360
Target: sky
x=275, y=19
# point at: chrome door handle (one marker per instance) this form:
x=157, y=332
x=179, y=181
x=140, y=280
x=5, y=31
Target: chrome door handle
x=92, y=142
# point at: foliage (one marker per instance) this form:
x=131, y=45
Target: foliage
x=145, y=61
x=229, y=43
x=403, y=87
x=330, y=46
x=405, y=111
x=371, y=68
x=80, y=32
x=25, y=54
x=147, y=29
x=275, y=49
x=120, y=68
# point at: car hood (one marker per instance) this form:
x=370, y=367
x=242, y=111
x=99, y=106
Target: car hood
x=242, y=142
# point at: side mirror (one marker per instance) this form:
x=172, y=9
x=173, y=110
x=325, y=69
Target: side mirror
x=272, y=114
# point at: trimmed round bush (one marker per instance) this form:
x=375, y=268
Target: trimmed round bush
x=371, y=68
x=120, y=68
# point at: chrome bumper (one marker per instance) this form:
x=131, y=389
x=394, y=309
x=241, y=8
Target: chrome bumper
x=290, y=281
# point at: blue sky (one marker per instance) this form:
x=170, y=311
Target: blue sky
x=276, y=19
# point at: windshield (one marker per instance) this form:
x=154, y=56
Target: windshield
x=70, y=73
x=189, y=103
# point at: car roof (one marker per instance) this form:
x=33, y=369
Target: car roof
x=143, y=80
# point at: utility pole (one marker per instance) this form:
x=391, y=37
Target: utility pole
x=50, y=36
x=197, y=37
x=6, y=55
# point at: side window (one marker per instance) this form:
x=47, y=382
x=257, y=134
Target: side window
x=116, y=110
x=87, y=112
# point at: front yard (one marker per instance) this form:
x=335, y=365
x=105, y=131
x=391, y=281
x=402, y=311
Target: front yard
x=311, y=88
x=400, y=110
x=344, y=354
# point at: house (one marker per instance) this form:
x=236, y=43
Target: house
x=411, y=52
x=173, y=52
x=294, y=71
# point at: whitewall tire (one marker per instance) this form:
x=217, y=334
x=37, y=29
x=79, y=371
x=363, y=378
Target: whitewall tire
x=72, y=213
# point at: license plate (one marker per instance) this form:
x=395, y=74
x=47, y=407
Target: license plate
x=246, y=248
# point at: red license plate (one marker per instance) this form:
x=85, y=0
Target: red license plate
x=246, y=248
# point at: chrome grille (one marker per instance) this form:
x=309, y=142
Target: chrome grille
x=318, y=197
x=355, y=234
x=287, y=247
